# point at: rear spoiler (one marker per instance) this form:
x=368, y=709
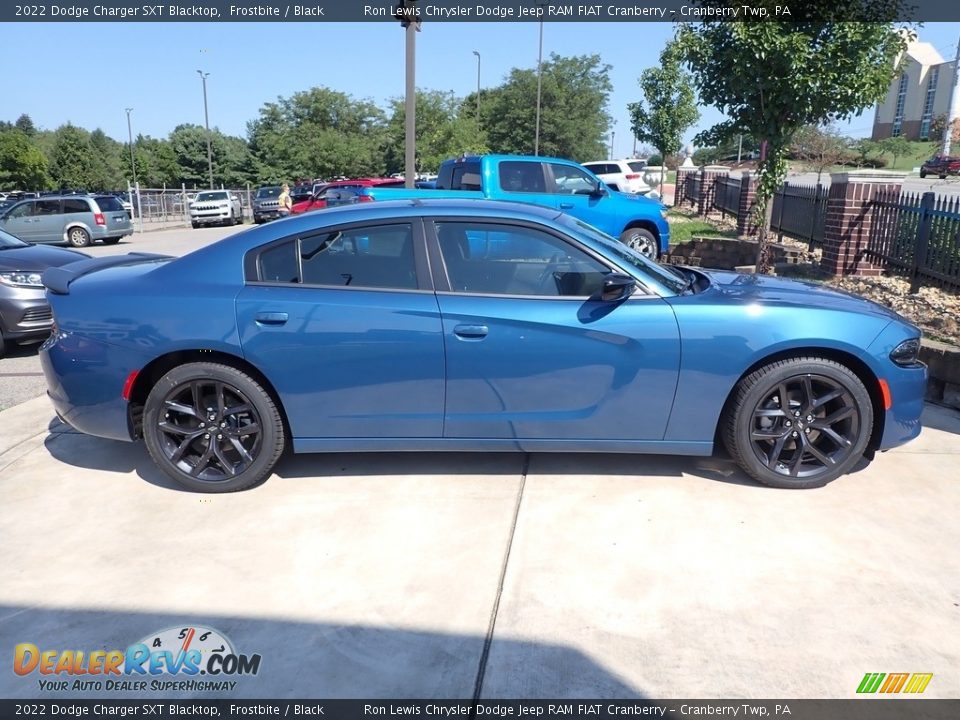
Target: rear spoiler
x=57, y=279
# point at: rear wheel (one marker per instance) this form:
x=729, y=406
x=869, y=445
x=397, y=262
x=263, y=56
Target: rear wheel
x=78, y=237
x=643, y=241
x=212, y=428
x=799, y=423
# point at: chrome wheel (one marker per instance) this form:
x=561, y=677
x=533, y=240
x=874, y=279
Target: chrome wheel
x=643, y=241
x=78, y=237
x=209, y=430
x=805, y=427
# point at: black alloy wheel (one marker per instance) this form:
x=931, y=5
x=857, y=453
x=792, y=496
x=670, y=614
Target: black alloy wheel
x=799, y=423
x=212, y=428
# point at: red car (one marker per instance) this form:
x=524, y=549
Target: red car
x=341, y=192
x=941, y=166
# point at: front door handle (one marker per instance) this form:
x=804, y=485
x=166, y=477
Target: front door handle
x=271, y=318
x=471, y=332
x=566, y=206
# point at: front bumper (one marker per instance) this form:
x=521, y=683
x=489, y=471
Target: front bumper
x=210, y=218
x=907, y=386
x=24, y=314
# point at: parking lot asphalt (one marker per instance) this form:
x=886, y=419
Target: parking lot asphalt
x=430, y=575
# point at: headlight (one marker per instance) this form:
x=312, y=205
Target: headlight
x=21, y=279
x=906, y=353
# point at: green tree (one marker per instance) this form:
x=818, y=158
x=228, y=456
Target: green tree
x=819, y=147
x=895, y=147
x=669, y=106
x=72, y=158
x=104, y=171
x=22, y=164
x=156, y=163
x=772, y=78
x=573, y=120
x=445, y=129
x=25, y=125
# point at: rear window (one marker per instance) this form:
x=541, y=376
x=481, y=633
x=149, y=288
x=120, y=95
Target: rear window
x=463, y=176
x=208, y=196
x=268, y=192
x=107, y=203
x=637, y=166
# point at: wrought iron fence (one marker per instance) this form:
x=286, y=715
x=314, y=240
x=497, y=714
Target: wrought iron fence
x=727, y=197
x=917, y=236
x=800, y=212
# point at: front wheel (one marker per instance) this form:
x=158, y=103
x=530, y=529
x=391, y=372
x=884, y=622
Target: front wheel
x=798, y=423
x=78, y=237
x=212, y=428
x=643, y=241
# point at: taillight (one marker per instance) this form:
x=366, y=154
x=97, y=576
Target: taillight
x=364, y=198
x=99, y=219
x=633, y=176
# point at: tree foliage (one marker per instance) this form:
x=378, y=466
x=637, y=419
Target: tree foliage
x=819, y=148
x=669, y=107
x=772, y=78
x=22, y=164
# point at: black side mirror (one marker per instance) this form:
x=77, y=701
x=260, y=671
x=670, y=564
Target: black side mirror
x=598, y=191
x=616, y=287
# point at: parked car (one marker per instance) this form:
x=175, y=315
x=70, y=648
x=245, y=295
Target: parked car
x=622, y=175
x=74, y=219
x=508, y=327
x=24, y=311
x=301, y=193
x=341, y=192
x=941, y=166
x=216, y=207
x=266, y=205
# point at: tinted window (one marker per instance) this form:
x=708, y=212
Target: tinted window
x=279, y=263
x=601, y=168
x=209, y=196
x=268, y=192
x=496, y=259
x=466, y=176
x=571, y=180
x=522, y=177
x=637, y=166
x=106, y=203
x=46, y=207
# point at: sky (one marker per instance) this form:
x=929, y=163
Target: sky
x=88, y=73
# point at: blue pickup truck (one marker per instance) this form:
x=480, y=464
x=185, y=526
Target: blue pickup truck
x=551, y=182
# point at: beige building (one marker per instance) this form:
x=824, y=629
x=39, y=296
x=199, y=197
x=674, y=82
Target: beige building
x=917, y=96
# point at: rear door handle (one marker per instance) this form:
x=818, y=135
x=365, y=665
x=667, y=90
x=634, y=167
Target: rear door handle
x=566, y=206
x=471, y=332
x=271, y=318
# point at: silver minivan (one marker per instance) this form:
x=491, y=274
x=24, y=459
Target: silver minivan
x=76, y=220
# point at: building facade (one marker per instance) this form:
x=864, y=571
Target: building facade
x=917, y=96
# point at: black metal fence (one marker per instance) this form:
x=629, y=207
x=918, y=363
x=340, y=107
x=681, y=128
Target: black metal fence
x=727, y=198
x=918, y=236
x=800, y=212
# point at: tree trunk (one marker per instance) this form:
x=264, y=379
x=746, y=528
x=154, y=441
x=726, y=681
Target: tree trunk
x=662, y=173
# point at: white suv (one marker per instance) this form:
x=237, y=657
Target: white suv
x=216, y=207
x=623, y=175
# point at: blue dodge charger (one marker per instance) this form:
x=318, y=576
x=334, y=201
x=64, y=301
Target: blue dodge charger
x=469, y=325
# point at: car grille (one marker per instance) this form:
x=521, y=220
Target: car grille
x=208, y=207
x=37, y=314
x=268, y=205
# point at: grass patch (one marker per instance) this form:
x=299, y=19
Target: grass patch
x=684, y=227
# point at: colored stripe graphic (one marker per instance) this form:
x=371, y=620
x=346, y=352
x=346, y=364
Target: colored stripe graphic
x=870, y=682
x=918, y=682
x=894, y=683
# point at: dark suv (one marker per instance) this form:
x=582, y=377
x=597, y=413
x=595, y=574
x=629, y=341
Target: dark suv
x=941, y=166
x=266, y=206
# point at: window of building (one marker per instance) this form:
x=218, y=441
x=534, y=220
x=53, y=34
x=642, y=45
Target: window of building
x=932, y=79
x=901, y=102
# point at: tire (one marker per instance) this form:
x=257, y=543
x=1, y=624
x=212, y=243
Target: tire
x=111, y=241
x=237, y=459
x=78, y=237
x=2, y=345
x=923, y=174
x=820, y=437
x=195, y=225
x=942, y=177
x=643, y=241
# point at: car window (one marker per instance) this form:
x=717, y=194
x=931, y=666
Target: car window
x=637, y=165
x=46, y=207
x=210, y=196
x=371, y=257
x=76, y=205
x=499, y=259
x=518, y=176
x=106, y=203
x=268, y=192
x=571, y=180
x=22, y=210
x=465, y=176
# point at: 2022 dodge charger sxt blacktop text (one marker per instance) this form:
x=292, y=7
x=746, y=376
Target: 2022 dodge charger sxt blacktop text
x=469, y=325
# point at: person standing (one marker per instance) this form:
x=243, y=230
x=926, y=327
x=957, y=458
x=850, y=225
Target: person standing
x=285, y=202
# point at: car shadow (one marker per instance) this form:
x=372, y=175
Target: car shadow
x=14, y=350
x=92, y=453
x=314, y=659
x=941, y=417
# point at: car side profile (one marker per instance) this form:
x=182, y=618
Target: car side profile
x=215, y=207
x=941, y=166
x=77, y=220
x=468, y=325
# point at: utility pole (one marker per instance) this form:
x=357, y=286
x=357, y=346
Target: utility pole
x=951, y=108
x=408, y=15
x=206, y=122
x=536, y=135
x=478, y=87
x=133, y=164
x=613, y=134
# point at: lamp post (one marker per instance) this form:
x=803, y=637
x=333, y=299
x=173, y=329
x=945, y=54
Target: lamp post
x=133, y=164
x=536, y=132
x=206, y=122
x=613, y=134
x=478, y=87
x=408, y=14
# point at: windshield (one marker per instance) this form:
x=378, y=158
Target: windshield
x=9, y=241
x=268, y=192
x=643, y=264
x=208, y=196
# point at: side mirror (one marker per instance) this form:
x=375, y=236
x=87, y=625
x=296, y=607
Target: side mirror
x=616, y=287
x=598, y=191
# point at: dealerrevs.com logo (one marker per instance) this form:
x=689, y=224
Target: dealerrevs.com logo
x=183, y=653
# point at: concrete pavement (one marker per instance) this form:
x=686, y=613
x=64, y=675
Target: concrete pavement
x=380, y=575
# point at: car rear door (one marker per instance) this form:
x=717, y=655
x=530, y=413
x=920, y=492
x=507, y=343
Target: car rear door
x=532, y=353
x=114, y=216
x=345, y=324
x=523, y=181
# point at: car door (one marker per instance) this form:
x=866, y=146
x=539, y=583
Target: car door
x=523, y=181
x=532, y=352
x=573, y=191
x=48, y=224
x=19, y=221
x=345, y=323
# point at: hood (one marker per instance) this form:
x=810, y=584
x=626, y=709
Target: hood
x=769, y=289
x=37, y=257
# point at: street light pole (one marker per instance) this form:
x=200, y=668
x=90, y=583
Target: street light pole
x=478, y=87
x=206, y=122
x=613, y=134
x=133, y=164
x=410, y=109
x=536, y=135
